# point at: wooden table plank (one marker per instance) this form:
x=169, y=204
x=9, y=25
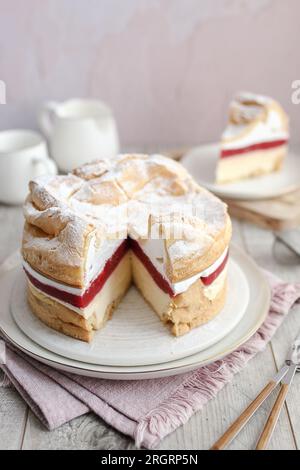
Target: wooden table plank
x=284, y=263
x=13, y=410
x=87, y=432
x=13, y=417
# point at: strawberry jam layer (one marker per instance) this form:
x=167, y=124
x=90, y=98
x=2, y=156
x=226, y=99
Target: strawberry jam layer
x=213, y=276
x=82, y=301
x=161, y=281
x=156, y=275
x=252, y=148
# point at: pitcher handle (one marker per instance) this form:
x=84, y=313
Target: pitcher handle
x=46, y=117
x=43, y=166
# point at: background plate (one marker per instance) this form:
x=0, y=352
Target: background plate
x=255, y=314
x=201, y=163
x=135, y=335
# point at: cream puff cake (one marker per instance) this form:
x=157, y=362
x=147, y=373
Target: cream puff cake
x=133, y=219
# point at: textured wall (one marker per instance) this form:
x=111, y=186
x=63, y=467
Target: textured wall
x=167, y=67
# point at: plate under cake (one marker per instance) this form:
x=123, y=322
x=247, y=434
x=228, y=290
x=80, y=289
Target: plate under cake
x=133, y=218
x=255, y=140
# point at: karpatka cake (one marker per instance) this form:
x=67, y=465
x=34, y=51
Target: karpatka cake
x=255, y=140
x=130, y=219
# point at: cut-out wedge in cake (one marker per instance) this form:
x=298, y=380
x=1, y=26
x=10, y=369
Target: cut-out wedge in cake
x=255, y=140
x=130, y=219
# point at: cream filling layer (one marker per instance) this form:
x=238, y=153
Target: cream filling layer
x=182, y=286
x=156, y=297
x=155, y=250
x=115, y=286
x=154, y=256
x=120, y=279
x=160, y=300
x=97, y=256
x=243, y=166
x=211, y=291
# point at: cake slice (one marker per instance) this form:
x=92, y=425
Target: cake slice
x=255, y=140
x=180, y=305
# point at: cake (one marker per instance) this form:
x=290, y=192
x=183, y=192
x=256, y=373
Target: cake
x=130, y=219
x=255, y=140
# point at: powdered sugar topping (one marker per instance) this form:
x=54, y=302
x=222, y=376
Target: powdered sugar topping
x=131, y=195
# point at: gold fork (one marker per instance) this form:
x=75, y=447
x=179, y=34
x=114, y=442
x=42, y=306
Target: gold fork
x=285, y=375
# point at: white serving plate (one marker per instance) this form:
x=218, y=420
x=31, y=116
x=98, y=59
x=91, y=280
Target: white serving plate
x=256, y=311
x=201, y=162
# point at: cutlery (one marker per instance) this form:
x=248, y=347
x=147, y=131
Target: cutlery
x=285, y=375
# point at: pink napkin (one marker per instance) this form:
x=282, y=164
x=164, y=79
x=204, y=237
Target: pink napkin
x=146, y=410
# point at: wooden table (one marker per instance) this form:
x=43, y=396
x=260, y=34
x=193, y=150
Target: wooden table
x=21, y=430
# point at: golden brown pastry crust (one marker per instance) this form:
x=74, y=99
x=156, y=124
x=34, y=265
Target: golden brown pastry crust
x=63, y=214
x=186, y=267
x=193, y=309
x=62, y=319
x=238, y=115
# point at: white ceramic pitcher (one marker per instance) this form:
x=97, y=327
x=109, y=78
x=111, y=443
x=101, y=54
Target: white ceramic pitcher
x=79, y=131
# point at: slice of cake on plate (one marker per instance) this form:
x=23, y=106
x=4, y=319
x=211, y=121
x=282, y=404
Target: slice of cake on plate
x=255, y=140
x=130, y=219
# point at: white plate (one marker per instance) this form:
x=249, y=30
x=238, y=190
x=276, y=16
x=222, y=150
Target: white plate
x=134, y=336
x=201, y=163
x=259, y=301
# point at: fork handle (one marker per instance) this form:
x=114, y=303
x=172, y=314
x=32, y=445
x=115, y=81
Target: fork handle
x=269, y=427
x=240, y=422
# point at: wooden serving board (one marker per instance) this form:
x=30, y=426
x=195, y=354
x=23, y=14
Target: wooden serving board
x=275, y=214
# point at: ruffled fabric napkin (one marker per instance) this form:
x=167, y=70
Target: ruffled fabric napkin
x=146, y=410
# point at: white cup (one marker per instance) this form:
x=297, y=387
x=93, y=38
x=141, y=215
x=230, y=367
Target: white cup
x=78, y=131
x=23, y=156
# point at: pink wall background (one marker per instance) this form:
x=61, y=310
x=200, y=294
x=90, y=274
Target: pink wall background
x=167, y=67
